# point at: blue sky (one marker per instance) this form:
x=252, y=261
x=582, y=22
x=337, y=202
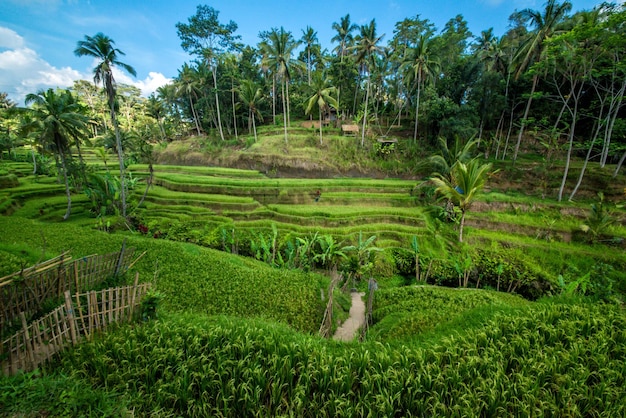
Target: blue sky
x=38, y=37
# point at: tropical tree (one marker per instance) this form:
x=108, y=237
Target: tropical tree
x=156, y=109
x=442, y=161
x=419, y=64
x=59, y=119
x=101, y=47
x=344, y=36
x=367, y=46
x=278, y=49
x=188, y=84
x=207, y=38
x=344, y=41
x=545, y=24
x=232, y=69
x=363, y=250
x=330, y=252
x=466, y=181
x=321, y=98
x=251, y=96
x=309, y=38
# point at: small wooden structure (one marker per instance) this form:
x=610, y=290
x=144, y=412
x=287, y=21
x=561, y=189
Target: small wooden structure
x=385, y=142
x=350, y=130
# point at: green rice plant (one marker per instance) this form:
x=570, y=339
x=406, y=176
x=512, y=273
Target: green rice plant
x=527, y=360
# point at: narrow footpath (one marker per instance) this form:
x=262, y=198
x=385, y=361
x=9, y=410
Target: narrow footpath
x=349, y=329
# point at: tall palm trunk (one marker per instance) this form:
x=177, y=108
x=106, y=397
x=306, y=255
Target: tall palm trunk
x=217, y=104
x=254, y=127
x=67, y=186
x=287, y=98
x=32, y=151
x=284, y=111
x=120, y=152
x=194, y=114
x=417, y=105
x=523, y=124
x=274, y=98
x=367, y=96
x=461, y=225
x=232, y=89
x=321, y=139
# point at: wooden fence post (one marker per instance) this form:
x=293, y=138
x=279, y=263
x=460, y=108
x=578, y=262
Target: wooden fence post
x=69, y=310
x=134, y=295
x=27, y=341
x=120, y=260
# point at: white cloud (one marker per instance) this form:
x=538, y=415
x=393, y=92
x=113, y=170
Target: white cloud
x=147, y=86
x=23, y=71
x=10, y=39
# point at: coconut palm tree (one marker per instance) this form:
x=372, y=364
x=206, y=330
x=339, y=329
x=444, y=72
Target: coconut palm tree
x=251, y=96
x=545, y=25
x=466, y=181
x=101, y=47
x=419, y=64
x=443, y=161
x=58, y=119
x=187, y=84
x=367, y=46
x=321, y=98
x=309, y=38
x=344, y=36
x=277, y=50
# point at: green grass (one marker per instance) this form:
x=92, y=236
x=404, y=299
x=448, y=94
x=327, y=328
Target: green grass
x=252, y=288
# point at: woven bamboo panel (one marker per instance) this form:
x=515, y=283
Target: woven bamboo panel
x=27, y=290
x=80, y=316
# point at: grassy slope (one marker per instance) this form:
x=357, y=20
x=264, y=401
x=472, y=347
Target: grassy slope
x=210, y=282
x=485, y=358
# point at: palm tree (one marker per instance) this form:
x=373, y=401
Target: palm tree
x=545, y=25
x=367, y=46
x=443, y=161
x=187, y=83
x=278, y=50
x=344, y=36
x=156, y=109
x=419, y=65
x=466, y=181
x=309, y=38
x=322, y=98
x=101, y=48
x=59, y=118
x=232, y=69
x=344, y=39
x=250, y=95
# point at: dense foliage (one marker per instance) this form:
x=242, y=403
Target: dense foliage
x=545, y=359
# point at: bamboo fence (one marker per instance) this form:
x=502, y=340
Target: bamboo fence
x=76, y=319
x=26, y=291
x=327, y=320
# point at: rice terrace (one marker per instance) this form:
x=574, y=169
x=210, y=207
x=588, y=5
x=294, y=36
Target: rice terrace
x=429, y=223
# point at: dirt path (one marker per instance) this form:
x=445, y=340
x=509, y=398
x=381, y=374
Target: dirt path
x=348, y=330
